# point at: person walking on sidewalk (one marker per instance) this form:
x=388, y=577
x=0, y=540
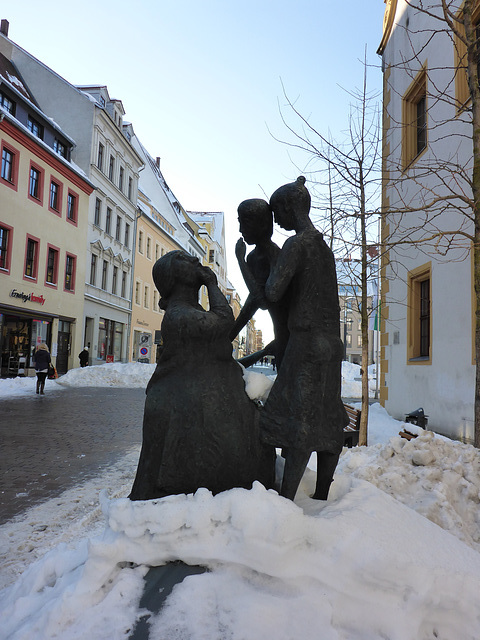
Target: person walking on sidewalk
x=83, y=357
x=41, y=360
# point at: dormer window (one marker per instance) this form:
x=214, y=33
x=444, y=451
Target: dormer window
x=7, y=104
x=60, y=148
x=35, y=127
x=102, y=101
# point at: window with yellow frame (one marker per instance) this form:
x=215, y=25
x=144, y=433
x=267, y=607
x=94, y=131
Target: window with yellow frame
x=419, y=315
x=462, y=92
x=414, y=139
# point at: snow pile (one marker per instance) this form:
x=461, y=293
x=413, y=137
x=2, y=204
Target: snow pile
x=352, y=380
x=115, y=374
x=18, y=386
x=436, y=477
x=337, y=569
x=257, y=385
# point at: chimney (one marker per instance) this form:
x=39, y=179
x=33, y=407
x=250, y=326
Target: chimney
x=157, y=162
x=4, y=27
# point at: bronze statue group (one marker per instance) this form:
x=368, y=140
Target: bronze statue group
x=200, y=428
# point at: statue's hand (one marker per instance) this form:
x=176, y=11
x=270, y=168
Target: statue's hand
x=240, y=249
x=208, y=277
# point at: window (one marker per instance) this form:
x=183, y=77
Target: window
x=149, y=248
x=157, y=251
x=211, y=256
x=114, y=280
x=124, y=284
x=100, y=156
x=93, y=270
x=120, y=179
x=104, y=275
x=118, y=228
x=145, y=296
x=111, y=168
x=60, y=148
x=8, y=165
x=349, y=339
x=72, y=207
x=51, y=276
x=155, y=300
x=70, y=264
x=34, y=184
x=414, y=132
x=108, y=220
x=419, y=316
x=127, y=234
x=130, y=188
x=35, y=127
x=137, y=293
x=6, y=234
x=359, y=341
x=7, y=104
x=31, y=258
x=98, y=211
x=55, y=196
x=140, y=241
x=462, y=92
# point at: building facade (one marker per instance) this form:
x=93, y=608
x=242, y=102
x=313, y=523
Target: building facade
x=43, y=230
x=427, y=342
x=106, y=156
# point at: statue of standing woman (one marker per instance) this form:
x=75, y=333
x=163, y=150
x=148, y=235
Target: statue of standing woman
x=304, y=411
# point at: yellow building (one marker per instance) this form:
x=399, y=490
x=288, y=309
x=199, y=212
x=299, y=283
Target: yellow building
x=155, y=237
x=43, y=229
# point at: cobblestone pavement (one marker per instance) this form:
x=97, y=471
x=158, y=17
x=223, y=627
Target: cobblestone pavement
x=53, y=442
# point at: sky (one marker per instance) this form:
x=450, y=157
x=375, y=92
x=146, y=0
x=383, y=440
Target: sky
x=393, y=553
x=202, y=82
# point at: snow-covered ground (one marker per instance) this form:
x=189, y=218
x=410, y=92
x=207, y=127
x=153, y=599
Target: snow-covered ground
x=394, y=553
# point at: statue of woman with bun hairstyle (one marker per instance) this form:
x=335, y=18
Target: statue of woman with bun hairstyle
x=304, y=411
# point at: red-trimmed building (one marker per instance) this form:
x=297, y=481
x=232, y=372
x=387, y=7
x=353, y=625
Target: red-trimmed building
x=44, y=201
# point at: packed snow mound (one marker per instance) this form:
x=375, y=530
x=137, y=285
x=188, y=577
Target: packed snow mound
x=352, y=380
x=114, y=374
x=437, y=477
x=336, y=569
x=18, y=386
x=257, y=385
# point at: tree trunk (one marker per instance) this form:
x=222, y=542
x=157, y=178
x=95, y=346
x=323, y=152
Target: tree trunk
x=472, y=75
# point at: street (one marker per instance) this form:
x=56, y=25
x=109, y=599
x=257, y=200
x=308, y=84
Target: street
x=53, y=442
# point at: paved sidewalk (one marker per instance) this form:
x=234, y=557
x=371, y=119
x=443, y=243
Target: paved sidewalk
x=53, y=442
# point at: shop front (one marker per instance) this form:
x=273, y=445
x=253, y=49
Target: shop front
x=20, y=334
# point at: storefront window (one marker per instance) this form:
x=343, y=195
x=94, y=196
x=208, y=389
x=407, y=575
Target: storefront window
x=110, y=335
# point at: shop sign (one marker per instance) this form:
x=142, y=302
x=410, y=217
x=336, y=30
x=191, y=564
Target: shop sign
x=27, y=297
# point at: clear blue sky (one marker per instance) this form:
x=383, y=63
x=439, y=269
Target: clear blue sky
x=201, y=80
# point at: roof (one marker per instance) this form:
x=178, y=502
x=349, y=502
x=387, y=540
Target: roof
x=10, y=74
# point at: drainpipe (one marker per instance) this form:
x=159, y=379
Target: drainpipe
x=138, y=214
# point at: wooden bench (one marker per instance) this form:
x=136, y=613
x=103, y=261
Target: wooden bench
x=352, y=430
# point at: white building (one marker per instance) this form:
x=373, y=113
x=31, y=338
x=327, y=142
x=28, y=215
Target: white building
x=427, y=352
x=212, y=228
x=108, y=159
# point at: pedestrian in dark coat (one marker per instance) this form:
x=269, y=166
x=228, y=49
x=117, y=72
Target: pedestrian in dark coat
x=41, y=360
x=83, y=357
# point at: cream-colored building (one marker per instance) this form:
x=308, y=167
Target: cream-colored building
x=43, y=229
